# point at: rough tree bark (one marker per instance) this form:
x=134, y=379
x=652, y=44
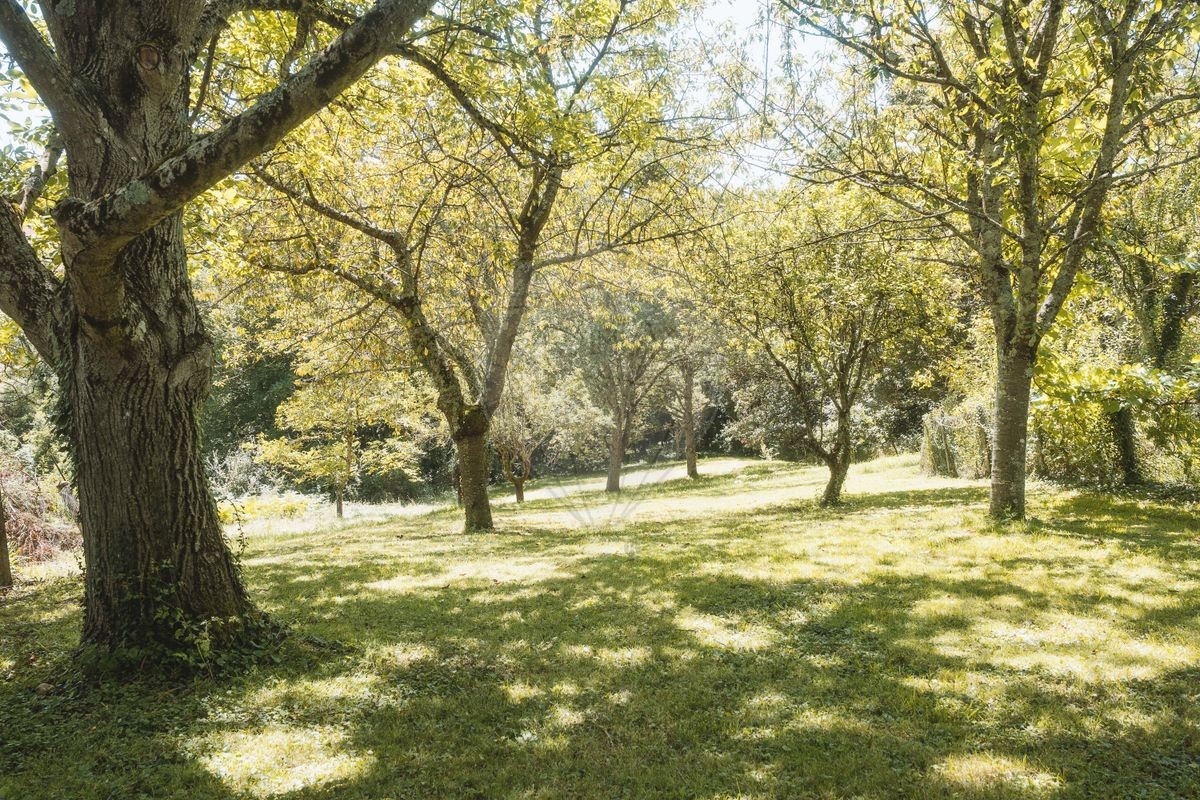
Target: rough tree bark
x=1014, y=378
x=123, y=330
x=470, y=443
x=6, y=576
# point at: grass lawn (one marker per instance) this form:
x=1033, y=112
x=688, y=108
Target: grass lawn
x=720, y=638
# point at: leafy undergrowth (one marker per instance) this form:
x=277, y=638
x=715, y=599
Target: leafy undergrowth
x=712, y=639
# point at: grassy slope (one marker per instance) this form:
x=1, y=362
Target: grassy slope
x=717, y=638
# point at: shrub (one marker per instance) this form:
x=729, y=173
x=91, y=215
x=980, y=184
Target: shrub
x=957, y=442
x=34, y=530
x=285, y=506
x=1073, y=443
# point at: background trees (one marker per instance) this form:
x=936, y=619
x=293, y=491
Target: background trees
x=1010, y=125
x=555, y=148
x=544, y=408
x=551, y=223
x=621, y=340
x=822, y=292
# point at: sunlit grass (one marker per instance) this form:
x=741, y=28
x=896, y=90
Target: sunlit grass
x=715, y=638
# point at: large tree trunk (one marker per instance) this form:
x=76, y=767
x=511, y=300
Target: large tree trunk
x=689, y=421
x=123, y=331
x=1014, y=376
x=6, y=576
x=470, y=442
x=158, y=569
x=138, y=360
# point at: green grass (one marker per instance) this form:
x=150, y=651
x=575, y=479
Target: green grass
x=722, y=638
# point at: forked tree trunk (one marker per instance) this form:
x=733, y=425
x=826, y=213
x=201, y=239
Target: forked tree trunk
x=508, y=460
x=507, y=466
x=838, y=461
x=1014, y=377
x=689, y=421
x=470, y=442
x=6, y=576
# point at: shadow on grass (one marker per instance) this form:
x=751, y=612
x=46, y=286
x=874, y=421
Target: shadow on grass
x=539, y=667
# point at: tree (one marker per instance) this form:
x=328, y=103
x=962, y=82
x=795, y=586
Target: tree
x=1147, y=260
x=545, y=153
x=120, y=324
x=821, y=294
x=687, y=414
x=1009, y=124
x=694, y=347
x=327, y=423
x=620, y=338
x=543, y=408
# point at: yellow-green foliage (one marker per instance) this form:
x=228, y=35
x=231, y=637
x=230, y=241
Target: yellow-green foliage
x=1073, y=442
x=285, y=506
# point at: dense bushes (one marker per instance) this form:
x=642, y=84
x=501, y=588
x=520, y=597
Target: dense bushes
x=36, y=526
x=957, y=442
x=1073, y=443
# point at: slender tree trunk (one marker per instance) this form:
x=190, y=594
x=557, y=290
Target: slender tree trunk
x=470, y=440
x=616, y=457
x=6, y=576
x=1014, y=376
x=1125, y=437
x=507, y=466
x=348, y=474
x=689, y=421
x=456, y=479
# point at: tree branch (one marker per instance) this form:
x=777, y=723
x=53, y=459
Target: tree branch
x=41, y=66
x=28, y=291
x=96, y=231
